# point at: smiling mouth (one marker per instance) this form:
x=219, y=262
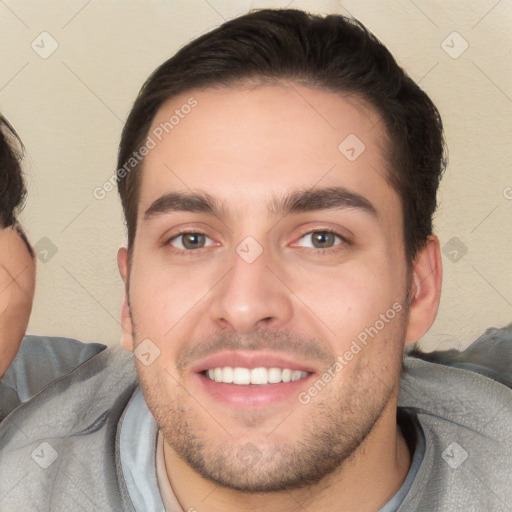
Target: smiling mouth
x=255, y=376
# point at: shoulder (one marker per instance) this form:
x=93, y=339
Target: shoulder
x=490, y=355
x=42, y=359
x=69, y=428
x=466, y=419
x=61, y=351
x=465, y=388
x=94, y=385
x=463, y=395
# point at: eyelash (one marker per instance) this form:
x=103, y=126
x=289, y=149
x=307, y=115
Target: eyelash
x=196, y=252
x=187, y=252
x=329, y=250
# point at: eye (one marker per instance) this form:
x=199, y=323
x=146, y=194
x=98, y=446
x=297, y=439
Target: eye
x=190, y=241
x=320, y=240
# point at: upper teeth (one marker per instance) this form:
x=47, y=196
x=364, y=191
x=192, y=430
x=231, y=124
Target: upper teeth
x=237, y=375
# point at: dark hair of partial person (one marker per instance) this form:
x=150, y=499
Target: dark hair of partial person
x=12, y=185
x=333, y=53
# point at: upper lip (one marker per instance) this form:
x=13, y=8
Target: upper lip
x=249, y=359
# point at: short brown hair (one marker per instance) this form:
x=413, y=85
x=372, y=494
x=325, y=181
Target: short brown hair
x=335, y=53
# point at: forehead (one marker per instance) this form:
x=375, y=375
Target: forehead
x=255, y=143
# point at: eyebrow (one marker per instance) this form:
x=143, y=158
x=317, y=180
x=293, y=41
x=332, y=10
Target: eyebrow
x=184, y=202
x=327, y=198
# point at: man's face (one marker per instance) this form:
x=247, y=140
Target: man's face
x=17, y=280
x=263, y=243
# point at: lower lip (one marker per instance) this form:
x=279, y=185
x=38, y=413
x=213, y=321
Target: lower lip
x=255, y=395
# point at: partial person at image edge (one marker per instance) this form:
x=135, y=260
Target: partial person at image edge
x=17, y=259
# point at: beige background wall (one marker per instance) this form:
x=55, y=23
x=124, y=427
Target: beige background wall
x=69, y=109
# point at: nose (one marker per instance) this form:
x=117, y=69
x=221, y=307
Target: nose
x=251, y=296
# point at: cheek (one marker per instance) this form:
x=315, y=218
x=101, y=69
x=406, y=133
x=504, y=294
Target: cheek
x=164, y=298
x=5, y=289
x=16, y=296
x=350, y=298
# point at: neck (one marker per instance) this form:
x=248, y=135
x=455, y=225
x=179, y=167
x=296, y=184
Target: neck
x=364, y=483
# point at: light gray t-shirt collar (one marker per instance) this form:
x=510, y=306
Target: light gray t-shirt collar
x=138, y=444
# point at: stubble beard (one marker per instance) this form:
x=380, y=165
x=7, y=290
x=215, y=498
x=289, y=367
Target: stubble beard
x=340, y=417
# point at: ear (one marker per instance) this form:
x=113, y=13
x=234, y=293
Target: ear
x=425, y=291
x=126, y=321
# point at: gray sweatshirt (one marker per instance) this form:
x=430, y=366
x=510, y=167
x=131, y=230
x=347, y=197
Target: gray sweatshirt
x=62, y=421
